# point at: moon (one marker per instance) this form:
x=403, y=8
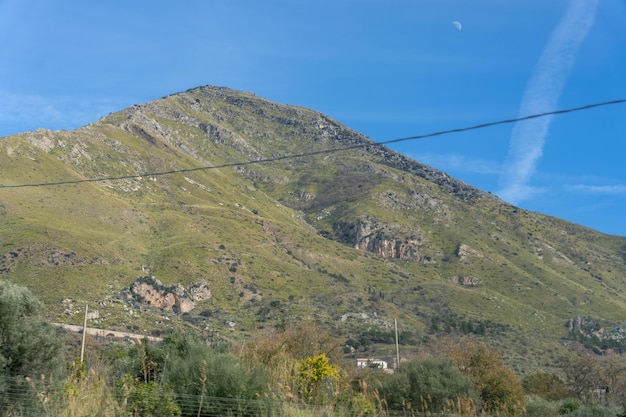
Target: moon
x=457, y=25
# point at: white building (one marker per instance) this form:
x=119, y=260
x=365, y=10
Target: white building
x=371, y=363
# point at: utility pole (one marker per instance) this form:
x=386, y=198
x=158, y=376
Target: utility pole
x=397, y=347
x=82, y=347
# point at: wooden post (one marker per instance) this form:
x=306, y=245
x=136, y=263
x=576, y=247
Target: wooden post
x=82, y=347
x=397, y=347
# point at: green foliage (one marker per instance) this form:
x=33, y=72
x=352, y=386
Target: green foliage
x=429, y=385
x=599, y=344
x=317, y=379
x=355, y=404
x=149, y=399
x=540, y=407
x=28, y=347
x=569, y=406
x=592, y=411
x=196, y=371
x=450, y=323
x=500, y=389
x=196, y=374
x=372, y=335
x=545, y=385
x=91, y=391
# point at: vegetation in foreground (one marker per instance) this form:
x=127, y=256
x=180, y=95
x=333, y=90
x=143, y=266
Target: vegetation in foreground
x=296, y=371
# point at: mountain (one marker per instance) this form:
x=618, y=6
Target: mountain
x=224, y=212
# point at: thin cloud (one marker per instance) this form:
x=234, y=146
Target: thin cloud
x=50, y=113
x=541, y=95
x=458, y=163
x=599, y=189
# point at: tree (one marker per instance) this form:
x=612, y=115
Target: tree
x=196, y=372
x=545, y=385
x=281, y=352
x=613, y=371
x=427, y=386
x=581, y=376
x=499, y=387
x=28, y=347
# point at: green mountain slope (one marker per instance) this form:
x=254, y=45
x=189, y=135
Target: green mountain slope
x=352, y=239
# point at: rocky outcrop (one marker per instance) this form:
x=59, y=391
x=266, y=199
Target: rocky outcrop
x=173, y=298
x=464, y=252
x=465, y=280
x=388, y=241
x=390, y=248
x=603, y=335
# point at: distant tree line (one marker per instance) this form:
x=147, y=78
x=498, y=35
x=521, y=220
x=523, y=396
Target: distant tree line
x=449, y=323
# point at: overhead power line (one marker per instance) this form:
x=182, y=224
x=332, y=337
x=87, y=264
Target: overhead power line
x=324, y=151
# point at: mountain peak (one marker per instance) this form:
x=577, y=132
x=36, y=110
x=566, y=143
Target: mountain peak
x=286, y=214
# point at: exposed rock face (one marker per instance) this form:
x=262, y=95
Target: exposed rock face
x=593, y=328
x=200, y=292
x=389, y=241
x=390, y=248
x=174, y=298
x=465, y=251
x=465, y=280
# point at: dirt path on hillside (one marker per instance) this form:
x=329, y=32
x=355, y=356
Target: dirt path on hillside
x=105, y=333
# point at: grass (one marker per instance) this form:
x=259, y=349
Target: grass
x=254, y=233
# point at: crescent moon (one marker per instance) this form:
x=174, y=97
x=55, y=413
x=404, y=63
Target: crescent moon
x=457, y=25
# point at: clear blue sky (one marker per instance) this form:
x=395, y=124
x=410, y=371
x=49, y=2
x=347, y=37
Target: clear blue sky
x=386, y=68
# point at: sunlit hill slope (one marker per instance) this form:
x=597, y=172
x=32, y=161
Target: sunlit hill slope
x=199, y=189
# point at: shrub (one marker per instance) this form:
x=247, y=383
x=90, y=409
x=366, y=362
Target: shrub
x=500, y=389
x=28, y=348
x=592, y=411
x=537, y=406
x=317, y=379
x=149, y=400
x=429, y=385
x=545, y=385
x=569, y=406
x=197, y=372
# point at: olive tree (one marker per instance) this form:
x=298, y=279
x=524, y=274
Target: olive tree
x=29, y=349
x=28, y=346
x=429, y=385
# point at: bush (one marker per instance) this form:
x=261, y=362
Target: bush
x=592, y=411
x=197, y=372
x=317, y=379
x=569, y=406
x=29, y=349
x=545, y=385
x=500, y=389
x=429, y=385
x=537, y=406
x=150, y=400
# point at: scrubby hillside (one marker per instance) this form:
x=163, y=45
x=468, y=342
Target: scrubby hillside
x=199, y=190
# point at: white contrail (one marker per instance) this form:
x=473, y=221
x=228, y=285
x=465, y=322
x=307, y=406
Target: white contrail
x=541, y=95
